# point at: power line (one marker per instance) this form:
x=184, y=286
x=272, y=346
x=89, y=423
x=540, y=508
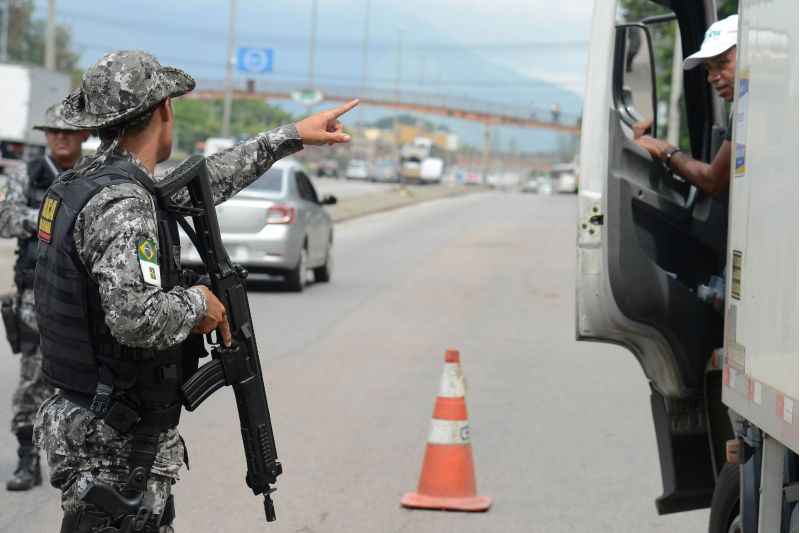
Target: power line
x=149, y=26
x=328, y=77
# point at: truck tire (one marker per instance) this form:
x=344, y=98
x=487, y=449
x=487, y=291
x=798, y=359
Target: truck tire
x=724, y=516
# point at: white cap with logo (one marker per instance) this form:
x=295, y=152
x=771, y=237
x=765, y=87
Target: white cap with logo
x=720, y=36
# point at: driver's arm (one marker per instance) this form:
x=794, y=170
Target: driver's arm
x=712, y=179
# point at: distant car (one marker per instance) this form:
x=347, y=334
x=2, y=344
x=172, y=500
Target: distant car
x=564, y=178
x=431, y=170
x=384, y=170
x=277, y=226
x=473, y=178
x=328, y=168
x=357, y=169
x=545, y=186
x=455, y=175
x=530, y=186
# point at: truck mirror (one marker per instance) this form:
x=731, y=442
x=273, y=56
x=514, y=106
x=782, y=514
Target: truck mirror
x=634, y=81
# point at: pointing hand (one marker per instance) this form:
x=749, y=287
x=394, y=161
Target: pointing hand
x=324, y=127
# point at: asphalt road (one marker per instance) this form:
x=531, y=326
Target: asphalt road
x=561, y=430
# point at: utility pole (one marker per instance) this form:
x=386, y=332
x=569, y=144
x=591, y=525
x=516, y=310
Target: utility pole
x=399, y=73
x=312, y=45
x=676, y=89
x=6, y=6
x=487, y=149
x=50, y=37
x=364, y=55
x=226, y=110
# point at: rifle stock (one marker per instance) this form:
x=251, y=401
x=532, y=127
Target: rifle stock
x=238, y=366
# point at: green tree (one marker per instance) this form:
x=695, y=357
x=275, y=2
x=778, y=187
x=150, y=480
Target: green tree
x=26, y=38
x=727, y=8
x=196, y=120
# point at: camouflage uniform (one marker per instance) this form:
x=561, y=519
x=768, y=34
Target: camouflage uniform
x=81, y=447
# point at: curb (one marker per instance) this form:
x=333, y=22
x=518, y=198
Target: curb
x=370, y=204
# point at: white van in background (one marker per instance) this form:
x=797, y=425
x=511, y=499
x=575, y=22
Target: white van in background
x=431, y=170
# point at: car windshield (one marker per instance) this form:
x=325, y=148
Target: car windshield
x=271, y=183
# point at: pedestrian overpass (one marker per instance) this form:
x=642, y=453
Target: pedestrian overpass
x=437, y=104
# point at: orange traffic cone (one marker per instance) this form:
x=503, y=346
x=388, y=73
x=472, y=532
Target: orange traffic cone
x=447, y=481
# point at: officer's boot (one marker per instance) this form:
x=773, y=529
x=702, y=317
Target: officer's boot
x=29, y=472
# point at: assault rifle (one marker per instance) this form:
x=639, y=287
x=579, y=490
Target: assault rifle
x=238, y=365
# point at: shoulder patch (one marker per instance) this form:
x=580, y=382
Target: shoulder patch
x=147, y=250
x=47, y=215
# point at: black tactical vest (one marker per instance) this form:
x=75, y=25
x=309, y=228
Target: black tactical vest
x=40, y=177
x=78, y=351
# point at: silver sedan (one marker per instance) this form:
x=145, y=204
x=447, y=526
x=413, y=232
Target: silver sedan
x=276, y=226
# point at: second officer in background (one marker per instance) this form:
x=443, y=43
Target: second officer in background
x=24, y=190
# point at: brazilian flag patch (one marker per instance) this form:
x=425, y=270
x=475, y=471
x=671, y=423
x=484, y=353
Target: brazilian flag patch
x=147, y=250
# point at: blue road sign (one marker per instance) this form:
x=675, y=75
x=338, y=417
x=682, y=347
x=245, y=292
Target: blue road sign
x=254, y=60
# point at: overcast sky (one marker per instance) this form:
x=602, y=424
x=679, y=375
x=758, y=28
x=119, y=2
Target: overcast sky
x=564, y=25
x=541, y=39
x=502, y=51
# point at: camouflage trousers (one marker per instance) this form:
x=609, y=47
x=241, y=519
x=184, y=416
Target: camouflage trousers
x=32, y=388
x=81, y=448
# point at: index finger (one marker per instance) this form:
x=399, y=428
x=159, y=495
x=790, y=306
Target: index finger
x=344, y=108
x=225, y=329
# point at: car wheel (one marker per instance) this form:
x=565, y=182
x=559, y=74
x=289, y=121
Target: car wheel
x=724, y=516
x=323, y=274
x=296, y=278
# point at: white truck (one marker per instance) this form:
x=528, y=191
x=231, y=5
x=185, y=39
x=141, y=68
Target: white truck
x=411, y=157
x=723, y=372
x=25, y=93
x=431, y=170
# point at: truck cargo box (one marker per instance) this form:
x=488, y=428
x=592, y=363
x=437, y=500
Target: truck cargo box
x=25, y=93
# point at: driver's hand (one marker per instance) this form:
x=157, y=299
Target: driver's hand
x=216, y=316
x=642, y=128
x=655, y=147
x=324, y=127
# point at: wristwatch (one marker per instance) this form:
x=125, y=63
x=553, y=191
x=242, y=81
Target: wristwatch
x=668, y=156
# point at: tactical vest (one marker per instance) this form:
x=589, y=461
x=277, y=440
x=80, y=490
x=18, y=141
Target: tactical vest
x=79, y=353
x=41, y=174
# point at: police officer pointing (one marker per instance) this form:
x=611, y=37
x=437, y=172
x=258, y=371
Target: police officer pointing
x=120, y=331
x=19, y=209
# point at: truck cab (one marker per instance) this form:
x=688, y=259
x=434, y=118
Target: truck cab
x=654, y=259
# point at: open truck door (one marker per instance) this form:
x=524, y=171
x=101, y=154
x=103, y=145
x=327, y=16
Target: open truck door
x=647, y=239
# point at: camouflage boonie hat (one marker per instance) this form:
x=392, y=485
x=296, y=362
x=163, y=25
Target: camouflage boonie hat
x=54, y=120
x=121, y=86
